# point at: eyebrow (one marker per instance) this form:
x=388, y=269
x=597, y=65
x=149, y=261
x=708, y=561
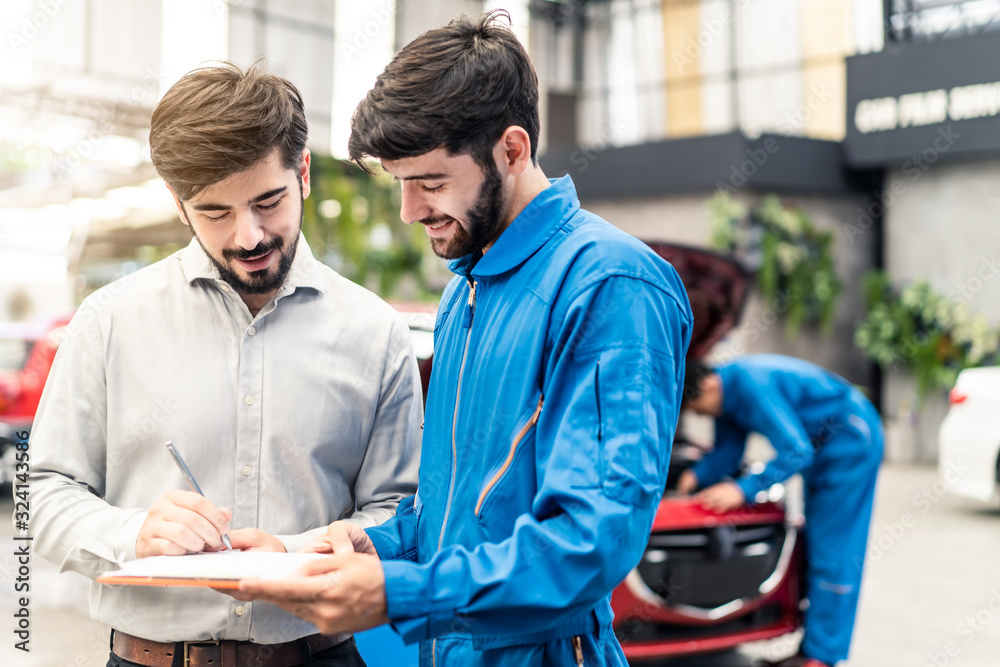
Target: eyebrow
x=255, y=200
x=421, y=177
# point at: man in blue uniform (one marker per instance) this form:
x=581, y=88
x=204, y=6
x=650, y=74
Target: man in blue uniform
x=558, y=371
x=820, y=426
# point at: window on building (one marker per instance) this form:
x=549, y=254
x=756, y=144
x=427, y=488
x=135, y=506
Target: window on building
x=631, y=71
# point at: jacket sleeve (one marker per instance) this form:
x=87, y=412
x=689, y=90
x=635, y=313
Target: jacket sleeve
x=71, y=523
x=774, y=418
x=396, y=539
x=602, y=447
x=725, y=457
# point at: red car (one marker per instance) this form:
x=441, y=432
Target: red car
x=709, y=582
x=26, y=353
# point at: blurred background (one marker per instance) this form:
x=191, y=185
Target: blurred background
x=846, y=151
x=851, y=140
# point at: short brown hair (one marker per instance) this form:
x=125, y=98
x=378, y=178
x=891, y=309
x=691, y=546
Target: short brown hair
x=458, y=87
x=218, y=121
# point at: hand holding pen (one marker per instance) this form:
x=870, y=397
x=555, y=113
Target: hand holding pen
x=183, y=522
x=191, y=481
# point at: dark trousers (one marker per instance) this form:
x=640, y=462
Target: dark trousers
x=344, y=654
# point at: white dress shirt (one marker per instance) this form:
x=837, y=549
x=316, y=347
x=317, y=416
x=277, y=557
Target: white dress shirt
x=307, y=413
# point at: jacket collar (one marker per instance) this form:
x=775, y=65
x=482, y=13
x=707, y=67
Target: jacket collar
x=196, y=265
x=528, y=232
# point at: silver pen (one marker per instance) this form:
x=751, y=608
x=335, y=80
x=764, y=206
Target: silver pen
x=193, y=484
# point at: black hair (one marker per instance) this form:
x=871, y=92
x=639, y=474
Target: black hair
x=458, y=87
x=695, y=371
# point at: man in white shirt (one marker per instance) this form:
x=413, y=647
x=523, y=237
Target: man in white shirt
x=292, y=393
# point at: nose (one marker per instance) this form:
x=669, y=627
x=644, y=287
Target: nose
x=249, y=232
x=414, y=204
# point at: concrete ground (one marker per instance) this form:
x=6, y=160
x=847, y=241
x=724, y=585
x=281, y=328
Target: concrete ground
x=931, y=596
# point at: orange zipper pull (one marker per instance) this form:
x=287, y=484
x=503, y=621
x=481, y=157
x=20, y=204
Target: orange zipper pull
x=578, y=650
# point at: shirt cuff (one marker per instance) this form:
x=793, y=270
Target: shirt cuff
x=124, y=543
x=295, y=542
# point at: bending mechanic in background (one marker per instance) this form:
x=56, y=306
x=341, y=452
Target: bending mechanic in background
x=292, y=392
x=557, y=380
x=820, y=426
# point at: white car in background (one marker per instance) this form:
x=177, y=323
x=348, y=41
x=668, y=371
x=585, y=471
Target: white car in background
x=969, y=457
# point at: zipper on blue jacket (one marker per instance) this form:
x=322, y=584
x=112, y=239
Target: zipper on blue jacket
x=466, y=324
x=454, y=419
x=471, y=310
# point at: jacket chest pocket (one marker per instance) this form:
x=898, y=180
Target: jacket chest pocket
x=509, y=487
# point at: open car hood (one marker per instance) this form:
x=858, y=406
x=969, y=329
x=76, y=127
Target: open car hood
x=717, y=288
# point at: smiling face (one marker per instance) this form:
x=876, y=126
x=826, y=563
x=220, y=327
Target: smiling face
x=248, y=224
x=461, y=206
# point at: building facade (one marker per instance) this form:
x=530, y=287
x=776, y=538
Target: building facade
x=654, y=105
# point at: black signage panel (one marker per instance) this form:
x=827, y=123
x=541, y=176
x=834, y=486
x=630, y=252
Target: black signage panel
x=919, y=102
x=732, y=161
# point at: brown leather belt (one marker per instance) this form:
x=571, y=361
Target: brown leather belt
x=222, y=653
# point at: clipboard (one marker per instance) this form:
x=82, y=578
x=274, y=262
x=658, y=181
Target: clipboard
x=219, y=569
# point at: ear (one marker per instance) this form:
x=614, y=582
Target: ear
x=180, y=206
x=515, y=149
x=304, y=172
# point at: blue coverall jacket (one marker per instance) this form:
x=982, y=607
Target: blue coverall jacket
x=823, y=427
x=558, y=369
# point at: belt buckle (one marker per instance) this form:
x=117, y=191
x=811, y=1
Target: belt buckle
x=205, y=642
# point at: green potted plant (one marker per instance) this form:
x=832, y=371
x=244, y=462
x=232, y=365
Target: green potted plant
x=792, y=258
x=929, y=335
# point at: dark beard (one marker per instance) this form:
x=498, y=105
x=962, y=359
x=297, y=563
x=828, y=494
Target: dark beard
x=258, y=282
x=484, y=220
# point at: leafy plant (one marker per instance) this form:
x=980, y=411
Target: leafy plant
x=793, y=259
x=923, y=331
x=351, y=222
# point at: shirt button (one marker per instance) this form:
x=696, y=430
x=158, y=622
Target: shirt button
x=248, y=399
x=251, y=331
x=224, y=287
x=247, y=470
x=240, y=610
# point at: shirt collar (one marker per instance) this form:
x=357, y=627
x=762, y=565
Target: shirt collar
x=528, y=232
x=196, y=265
